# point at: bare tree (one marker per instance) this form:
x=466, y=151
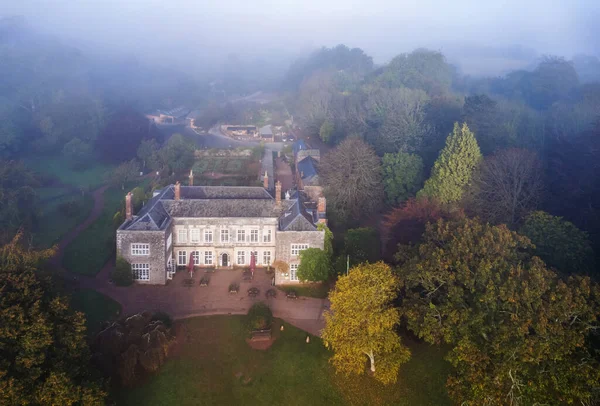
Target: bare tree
x=351, y=178
x=507, y=186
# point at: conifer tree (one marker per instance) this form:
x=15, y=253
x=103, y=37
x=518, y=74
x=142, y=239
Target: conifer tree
x=453, y=169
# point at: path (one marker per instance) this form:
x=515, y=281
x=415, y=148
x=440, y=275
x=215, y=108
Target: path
x=183, y=302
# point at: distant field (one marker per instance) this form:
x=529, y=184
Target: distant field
x=56, y=167
x=215, y=366
x=97, y=308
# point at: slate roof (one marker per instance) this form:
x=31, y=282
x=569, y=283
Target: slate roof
x=308, y=171
x=298, y=145
x=218, y=201
x=266, y=131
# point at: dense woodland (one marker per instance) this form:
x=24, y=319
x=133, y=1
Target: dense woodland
x=481, y=195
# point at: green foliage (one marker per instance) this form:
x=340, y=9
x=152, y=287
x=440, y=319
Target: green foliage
x=518, y=331
x=315, y=265
x=97, y=308
x=44, y=355
x=363, y=245
x=559, y=243
x=18, y=198
x=122, y=275
x=361, y=323
x=178, y=153
x=124, y=173
x=453, y=170
x=402, y=176
x=78, y=153
x=326, y=131
x=259, y=317
x=328, y=240
x=148, y=154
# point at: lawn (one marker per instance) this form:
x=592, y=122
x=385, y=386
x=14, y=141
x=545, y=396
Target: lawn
x=56, y=167
x=88, y=253
x=97, y=308
x=318, y=290
x=53, y=223
x=228, y=165
x=214, y=366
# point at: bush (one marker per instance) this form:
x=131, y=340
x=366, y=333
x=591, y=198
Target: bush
x=163, y=317
x=122, y=275
x=259, y=317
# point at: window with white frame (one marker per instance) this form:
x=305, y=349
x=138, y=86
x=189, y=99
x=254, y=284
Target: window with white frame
x=196, y=257
x=296, y=248
x=181, y=236
x=267, y=236
x=224, y=235
x=293, y=270
x=208, y=236
x=141, y=272
x=195, y=235
x=181, y=257
x=266, y=258
x=241, y=258
x=253, y=235
x=140, y=249
x=241, y=235
x=208, y=258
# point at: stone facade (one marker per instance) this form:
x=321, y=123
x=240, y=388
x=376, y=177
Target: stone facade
x=283, y=252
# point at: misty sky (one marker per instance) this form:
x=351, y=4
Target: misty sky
x=200, y=31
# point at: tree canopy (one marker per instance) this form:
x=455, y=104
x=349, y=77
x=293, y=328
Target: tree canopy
x=315, y=265
x=402, y=176
x=361, y=323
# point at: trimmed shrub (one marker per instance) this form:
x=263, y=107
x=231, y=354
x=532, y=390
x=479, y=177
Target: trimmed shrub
x=122, y=275
x=259, y=317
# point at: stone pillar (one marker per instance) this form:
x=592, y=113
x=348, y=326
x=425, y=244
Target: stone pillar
x=266, y=181
x=128, y=207
x=177, y=191
x=278, y=192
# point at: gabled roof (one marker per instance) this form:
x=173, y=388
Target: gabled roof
x=266, y=130
x=296, y=218
x=308, y=170
x=298, y=145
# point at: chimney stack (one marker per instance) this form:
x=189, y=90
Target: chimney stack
x=322, y=210
x=191, y=177
x=177, y=190
x=266, y=181
x=278, y=192
x=128, y=208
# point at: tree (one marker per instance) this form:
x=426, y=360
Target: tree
x=148, y=153
x=178, y=153
x=351, y=179
x=453, y=170
x=124, y=173
x=326, y=131
x=361, y=323
x=122, y=275
x=362, y=244
x=18, y=198
x=328, y=240
x=518, y=332
x=78, y=153
x=559, y=243
x=315, y=265
x=44, y=357
x=507, y=186
x=402, y=176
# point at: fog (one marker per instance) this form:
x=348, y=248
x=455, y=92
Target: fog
x=196, y=35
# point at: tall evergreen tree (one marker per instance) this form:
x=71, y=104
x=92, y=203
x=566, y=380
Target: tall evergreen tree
x=453, y=169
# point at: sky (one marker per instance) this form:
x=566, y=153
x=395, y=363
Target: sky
x=195, y=32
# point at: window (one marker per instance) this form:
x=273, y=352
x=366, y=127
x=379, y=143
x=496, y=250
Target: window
x=195, y=235
x=196, y=257
x=181, y=258
x=208, y=236
x=208, y=257
x=241, y=235
x=224, y=235
x=140, y=249
x=182, y=236
x=296, y=248
x=267, y=236
x=169, y=241
x=241, y=259
x=293, y=270
x=266, y=258
x=253, y=235
x=141, y=272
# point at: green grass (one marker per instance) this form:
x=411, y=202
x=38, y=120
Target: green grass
x=97, y=308
x=207, y=366
x=95, y=245
x=318, y=290
x=56, y=167
x=52, y=223
x=50, y=193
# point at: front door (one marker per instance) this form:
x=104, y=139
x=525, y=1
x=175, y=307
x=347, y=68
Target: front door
x=224, y=260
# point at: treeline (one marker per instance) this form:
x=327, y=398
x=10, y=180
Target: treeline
x=537, y=131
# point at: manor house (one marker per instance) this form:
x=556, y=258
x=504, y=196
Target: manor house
x=218, y=227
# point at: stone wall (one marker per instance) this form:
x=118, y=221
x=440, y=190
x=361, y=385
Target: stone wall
x=283, y=252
